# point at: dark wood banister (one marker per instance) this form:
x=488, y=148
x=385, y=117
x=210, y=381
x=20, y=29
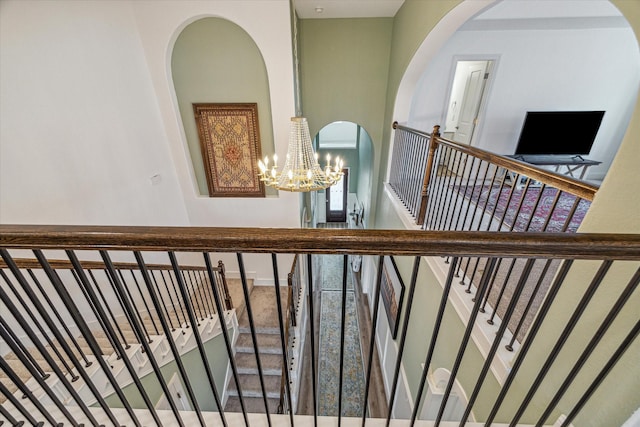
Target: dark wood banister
x=61, y=264
x=562, y=182
x=323, y=241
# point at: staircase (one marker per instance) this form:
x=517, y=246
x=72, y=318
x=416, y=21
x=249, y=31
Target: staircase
x=265, y=317
x=208, y=326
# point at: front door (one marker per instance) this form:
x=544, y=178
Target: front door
x=337, y=199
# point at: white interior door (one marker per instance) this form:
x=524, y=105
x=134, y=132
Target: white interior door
x=476, y=77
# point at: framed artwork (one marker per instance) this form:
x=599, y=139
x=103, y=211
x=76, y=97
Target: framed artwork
x=392, y=293
x=230, y=144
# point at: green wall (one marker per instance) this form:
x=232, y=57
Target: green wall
x=351, y=161
x=216, y=61
x=344, y=68
x=612, y=211
x=192, y=361
x=411, y=25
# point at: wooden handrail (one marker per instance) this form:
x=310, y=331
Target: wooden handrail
x=323, y=241
x=561, y=182
x=61, y=264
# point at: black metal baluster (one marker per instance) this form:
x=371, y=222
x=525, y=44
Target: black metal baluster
x=622, y=348
x=167, y=327
x=84, y=329
x=403, y=336
x=193, y=299
x=203, y=298
x=495, y=203
x=343, y=324
x=505, y=282
x=119, y=297
x=137, y=325
x=434, y=338
x=19, y=407
x=434, y=190
x=24, y=324
x=208, y=297
x=144, y=300
x=108, y=307
x=455, y=193
x=529, y=304
x=465, y=339
x=34, y=319
x=7, y=415
x=444, y=191
x=496, y=341
x=449, y=189
x=181, y=303
x=225, y=335
x=196, y=334
x=573, y=320
x=312, y=335
x=57, y=314
x=552, y=208
x=254, y=338
x=285, y=362
x=593, y=343
x=16, y=380
x=27, y=354
x=491, y=283
x=136, y=310
x=470, y=197
x=533, y=331
x=118, y=288
x=164, y=305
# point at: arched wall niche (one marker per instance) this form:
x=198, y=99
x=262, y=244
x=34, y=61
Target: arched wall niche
x=214, y=60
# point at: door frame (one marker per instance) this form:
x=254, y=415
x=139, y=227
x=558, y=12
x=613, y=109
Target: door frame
x=486, y=94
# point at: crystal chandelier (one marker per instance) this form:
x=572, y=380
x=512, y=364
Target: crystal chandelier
x=301, y=171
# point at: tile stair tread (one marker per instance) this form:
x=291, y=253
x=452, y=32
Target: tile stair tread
x=250, y=385
x=267, y=343
x=271, y=363
x=252, y=405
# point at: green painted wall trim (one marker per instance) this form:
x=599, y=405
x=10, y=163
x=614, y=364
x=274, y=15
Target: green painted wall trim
x=216, y=61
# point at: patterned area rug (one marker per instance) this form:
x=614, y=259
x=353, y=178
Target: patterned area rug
x=329, y=345
x=540, y=205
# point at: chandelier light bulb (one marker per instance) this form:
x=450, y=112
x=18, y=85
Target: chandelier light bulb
x=301, y=170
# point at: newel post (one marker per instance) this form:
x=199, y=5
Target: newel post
x=433, y=145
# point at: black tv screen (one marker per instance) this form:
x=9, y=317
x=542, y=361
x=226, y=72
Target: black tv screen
x=559, y=132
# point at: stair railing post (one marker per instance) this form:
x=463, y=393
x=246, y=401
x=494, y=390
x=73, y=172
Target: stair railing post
x=433, y=145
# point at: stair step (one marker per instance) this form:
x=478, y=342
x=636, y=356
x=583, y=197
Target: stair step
x=254, y=405
x=271, y=363
x=267, y=343
x=250, y=385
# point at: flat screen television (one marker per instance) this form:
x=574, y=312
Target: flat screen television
x=559, y=132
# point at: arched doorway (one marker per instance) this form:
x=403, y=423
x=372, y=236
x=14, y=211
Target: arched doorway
x=346, y=201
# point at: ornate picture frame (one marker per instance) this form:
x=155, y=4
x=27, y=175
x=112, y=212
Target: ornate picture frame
x=230, y=144
x=392, y=293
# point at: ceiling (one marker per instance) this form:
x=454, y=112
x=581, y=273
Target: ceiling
x=316, y=9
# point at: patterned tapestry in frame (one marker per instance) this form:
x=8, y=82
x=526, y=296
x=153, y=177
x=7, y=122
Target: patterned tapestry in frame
x=230, y=144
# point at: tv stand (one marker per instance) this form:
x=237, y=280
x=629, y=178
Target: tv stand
x=573, y=166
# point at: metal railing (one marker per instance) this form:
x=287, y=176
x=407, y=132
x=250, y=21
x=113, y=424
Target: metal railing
x=452, y=186
x=537, y=386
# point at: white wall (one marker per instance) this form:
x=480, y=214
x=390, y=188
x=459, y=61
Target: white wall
x=90, y=129
x=268, y=23
x=81, y=134
x=553, y=69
